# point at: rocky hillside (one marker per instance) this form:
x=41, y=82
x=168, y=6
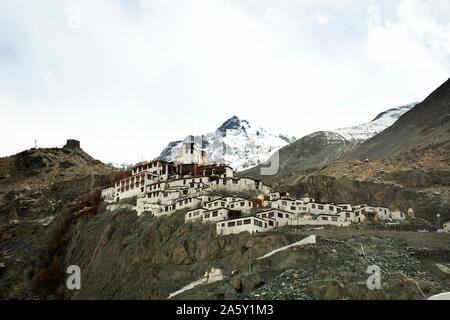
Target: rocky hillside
x=35, y=186
x=39, y=178
x=236, y=142
x=420, y=180
x=324, y=147
x=122, y=256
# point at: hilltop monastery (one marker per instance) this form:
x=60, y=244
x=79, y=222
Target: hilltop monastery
x=190, y=183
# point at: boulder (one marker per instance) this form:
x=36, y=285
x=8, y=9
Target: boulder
x=252, y=281
x=333, y=290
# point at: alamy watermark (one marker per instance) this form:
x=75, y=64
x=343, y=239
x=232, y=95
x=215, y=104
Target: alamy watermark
x=374, y=281
x=74, y=280
x=73, y=17
x=274, y=162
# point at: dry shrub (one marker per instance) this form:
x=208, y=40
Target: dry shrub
x=48, y=278
x=46, y=281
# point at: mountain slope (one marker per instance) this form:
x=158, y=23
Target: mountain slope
x=409, y=165
x=381, y=122
x=324, y=147
x=236, y=142
x=425, y=125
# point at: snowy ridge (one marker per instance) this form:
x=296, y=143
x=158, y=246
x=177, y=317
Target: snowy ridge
x=236, y=142
x=381, y=122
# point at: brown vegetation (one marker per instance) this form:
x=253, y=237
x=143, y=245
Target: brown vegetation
x=48, y=278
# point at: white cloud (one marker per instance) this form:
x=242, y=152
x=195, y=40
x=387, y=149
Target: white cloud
x=322, y=18
x=139, y=74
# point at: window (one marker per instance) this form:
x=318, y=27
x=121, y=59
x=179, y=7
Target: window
x=292, y=208
x=239, y=223
x=313, y=206
x=331, y=208
x=320, y=207
x=271, y=214
x=334, y=219
x=280, y=215
x=206, y=215
x=242, y=203
x=214, y=214
x=231, y=224
x=283, y=203
x=247, y=221
x=325, y=218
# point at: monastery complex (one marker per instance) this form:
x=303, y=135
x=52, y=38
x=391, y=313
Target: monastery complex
x=191, y=183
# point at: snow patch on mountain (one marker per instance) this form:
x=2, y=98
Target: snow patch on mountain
x=236, y=142
x=381, y=122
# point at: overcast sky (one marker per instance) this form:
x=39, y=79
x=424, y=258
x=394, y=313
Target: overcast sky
x=132, y=76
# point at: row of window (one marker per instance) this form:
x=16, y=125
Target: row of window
x=213, y=214
x=132, y=178
x=332, y=218
x=131, y=187
x=256, y=222
x=145, y=167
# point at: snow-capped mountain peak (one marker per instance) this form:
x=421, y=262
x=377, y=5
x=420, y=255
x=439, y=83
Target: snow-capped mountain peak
x=236, y=142
x=382, y=121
